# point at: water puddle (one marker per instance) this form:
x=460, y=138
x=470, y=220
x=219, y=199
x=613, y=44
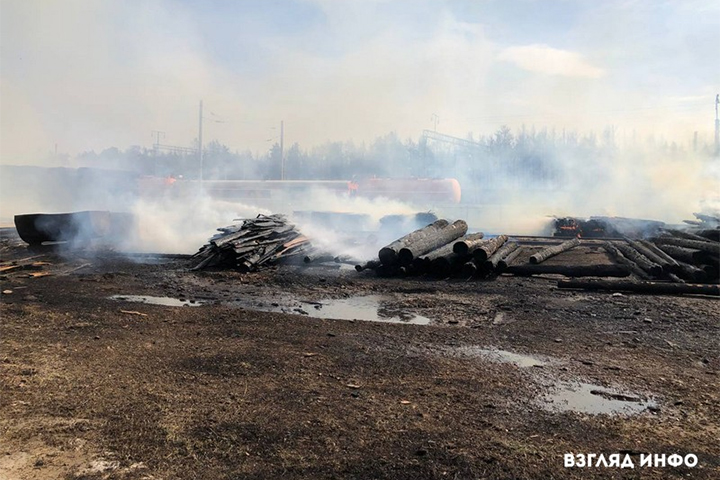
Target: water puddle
x=503, y=356
x=594, y=399
x=371, y=308
x=165, y=301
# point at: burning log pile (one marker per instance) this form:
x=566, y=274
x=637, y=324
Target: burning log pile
x=265, y=240
x=606, y=227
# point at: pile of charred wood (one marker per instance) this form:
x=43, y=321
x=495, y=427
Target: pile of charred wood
x=673, y=262
x=606, y=227
x=676, y=255
x=444, y=249
x=257, y=242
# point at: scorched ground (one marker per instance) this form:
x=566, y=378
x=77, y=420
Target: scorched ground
x=95, y=387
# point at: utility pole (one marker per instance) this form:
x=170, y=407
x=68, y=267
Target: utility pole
x=156, y=149
x=282, y=151
x=200, y=145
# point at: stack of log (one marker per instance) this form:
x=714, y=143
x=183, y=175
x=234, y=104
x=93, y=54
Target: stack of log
x=673, y=262
x=442, y=249
x=675, y=255
x=255, y=243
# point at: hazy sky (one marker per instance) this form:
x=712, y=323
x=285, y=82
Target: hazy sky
x=88, y=74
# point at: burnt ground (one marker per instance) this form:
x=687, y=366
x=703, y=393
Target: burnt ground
x=99, y=388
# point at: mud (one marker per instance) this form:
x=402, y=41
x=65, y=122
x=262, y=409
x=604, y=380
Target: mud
x=506, y=377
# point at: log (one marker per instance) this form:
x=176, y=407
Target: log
x=710, y=234
x=570, y=270
x=507, y=261
x=615, y=253
x=650, y=255
x=546, y=253
x=430, y=242
x=349, y=259
x=447, y=265
x=675, y=278
x=469, y=269
x=642, y=287
x=424, y=262
x=667, y=259
x=712, y=273
x=682, y=254
x=491, y=263
x=468, y=243
x=688, y=235
x=485, y=249
x=321, y=258
x=371, y=265
x=640, y=260
x=711, y=248
x=386, y=270
x=691, y=272
x=389, y=254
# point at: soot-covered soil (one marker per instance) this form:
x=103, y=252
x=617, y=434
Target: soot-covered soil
x=95, y=387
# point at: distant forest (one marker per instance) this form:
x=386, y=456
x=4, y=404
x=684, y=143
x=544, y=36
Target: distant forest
x=542, y=155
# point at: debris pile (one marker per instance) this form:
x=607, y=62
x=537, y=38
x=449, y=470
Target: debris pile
x=264, y=240
x=672, y=257
x=606, y=227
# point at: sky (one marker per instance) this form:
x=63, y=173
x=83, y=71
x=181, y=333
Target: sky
x=90, y=74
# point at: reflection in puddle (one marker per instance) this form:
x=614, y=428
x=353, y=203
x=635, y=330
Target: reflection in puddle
x=165, y=301
x=593, y=399
x=372, y=308
x=503, y=356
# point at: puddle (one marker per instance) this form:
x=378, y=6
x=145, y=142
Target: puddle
x=503, y=356
x=593, y=399
x=165, y=301
x=371, y=308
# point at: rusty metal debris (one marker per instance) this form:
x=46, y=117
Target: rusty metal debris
x=264, y=240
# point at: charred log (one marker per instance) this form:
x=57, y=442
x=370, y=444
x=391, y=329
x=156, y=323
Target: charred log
x=710, y=248
x=469, y=269
x=620, y=258
x=571, y=270
x=651, y=255
x=667, y=259
x=687, y=235
x=371, y=265
x=640, y=260
x=642, y=287
x=683, y=254
x=710, y=234
x=318, y=258
x=546, y=253
x=691, y=273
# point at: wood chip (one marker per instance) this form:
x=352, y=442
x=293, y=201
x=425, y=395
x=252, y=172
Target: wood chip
x=133, y=312
x=405, y=402
x=353, y=386
x=311, y=354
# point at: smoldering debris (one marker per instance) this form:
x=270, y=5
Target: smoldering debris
x=264, y=240
x=606, y=227
x=670, y=257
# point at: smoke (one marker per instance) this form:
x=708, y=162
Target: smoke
x=86, y=75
